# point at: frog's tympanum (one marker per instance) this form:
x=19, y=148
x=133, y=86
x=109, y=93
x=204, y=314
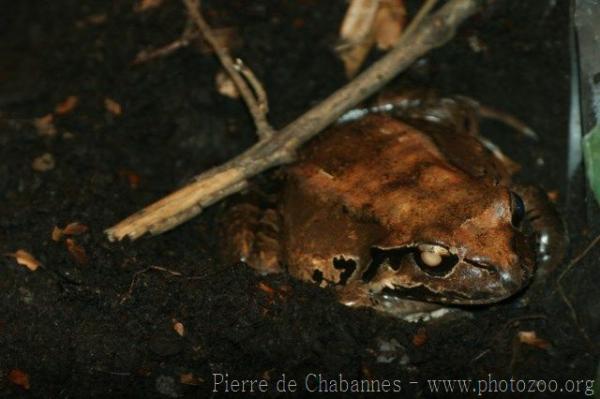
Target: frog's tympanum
x=400, y=210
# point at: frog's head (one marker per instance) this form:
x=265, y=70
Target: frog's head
x=467, y=249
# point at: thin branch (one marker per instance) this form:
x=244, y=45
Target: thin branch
x=259, y=90
x=578, y=258
x=421, y=14
x=188, y=35
x=263, y=127
x=129, y=292
x=217, y=183
x=564, y=296
x=573, y=314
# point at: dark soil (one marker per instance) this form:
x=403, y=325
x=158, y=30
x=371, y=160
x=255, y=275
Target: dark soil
x=105, y=327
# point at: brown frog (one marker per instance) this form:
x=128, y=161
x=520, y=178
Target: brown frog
x=403, y=209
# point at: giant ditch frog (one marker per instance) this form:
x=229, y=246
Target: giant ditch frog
x=403, y=209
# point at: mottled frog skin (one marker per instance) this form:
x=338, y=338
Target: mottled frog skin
x=402, y=210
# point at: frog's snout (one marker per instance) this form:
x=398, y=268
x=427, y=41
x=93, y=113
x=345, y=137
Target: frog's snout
x=486, y=283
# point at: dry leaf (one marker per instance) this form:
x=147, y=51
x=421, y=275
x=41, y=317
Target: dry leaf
x=178, y=327
x=298, y=23
x=353, y=59
x=72, y=229
x=266, y=288
x=132, y=178
x=358, y=20
x=225, y=85
x=97, y=19
x=57, y=233
x=19, y=377
x=531, y=338
x=367, y=22
x=94, y=19
x=76, y=251
x=43, y=163
x=113, y=107
x=190, y=379
x=75, y=229
x=284, y=291
x=389, y=24
x=26, y=259
x=356, y=34
x=420, y=338
x=66, y=106
x=476, y=44
x=144, y=5
x=45, y=125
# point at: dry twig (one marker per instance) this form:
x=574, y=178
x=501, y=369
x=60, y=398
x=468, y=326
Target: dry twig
x=174, y=273
x=426, y=31
x=188, y=35
x=136, y=275
x=566, y=299
x=234, y=69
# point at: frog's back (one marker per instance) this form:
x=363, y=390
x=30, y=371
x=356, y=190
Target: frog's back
x=372, y=160
x=380, y=181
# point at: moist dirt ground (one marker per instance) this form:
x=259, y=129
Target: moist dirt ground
x=97, y=318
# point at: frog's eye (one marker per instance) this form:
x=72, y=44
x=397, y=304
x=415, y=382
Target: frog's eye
x=518, y=209
x=434, y=259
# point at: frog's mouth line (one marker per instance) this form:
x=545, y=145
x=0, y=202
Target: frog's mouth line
x=395, y=257
x=422, y=293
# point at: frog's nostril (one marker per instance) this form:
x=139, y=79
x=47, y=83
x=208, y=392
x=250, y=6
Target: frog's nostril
x=501, y=282
x=511, y=282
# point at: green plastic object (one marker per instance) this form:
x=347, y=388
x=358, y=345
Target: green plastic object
x=591, y=158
